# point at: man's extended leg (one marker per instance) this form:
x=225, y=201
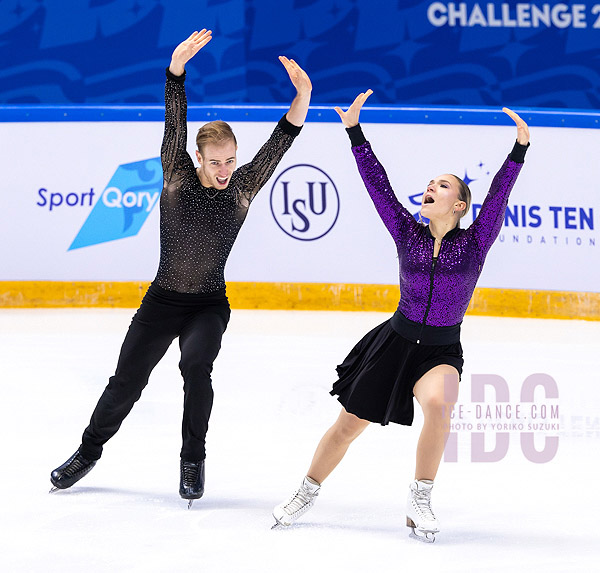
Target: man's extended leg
x=152, y=330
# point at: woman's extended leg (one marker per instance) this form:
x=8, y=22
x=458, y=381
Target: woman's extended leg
x=436, y=392
x=334, y=445
x=330, y=451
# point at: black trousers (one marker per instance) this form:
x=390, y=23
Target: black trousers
x=199, y=320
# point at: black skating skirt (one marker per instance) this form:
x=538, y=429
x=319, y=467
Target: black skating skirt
x=377, y=378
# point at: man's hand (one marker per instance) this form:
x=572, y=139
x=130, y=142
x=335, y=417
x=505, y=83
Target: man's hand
x=299, y=108
x=298, y=76
x=350, y=117
x=522, y=127
x=188, y=49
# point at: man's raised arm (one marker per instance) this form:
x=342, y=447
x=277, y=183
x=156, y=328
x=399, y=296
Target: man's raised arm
x=299, y=108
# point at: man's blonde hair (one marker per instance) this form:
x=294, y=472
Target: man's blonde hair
x=214, y=132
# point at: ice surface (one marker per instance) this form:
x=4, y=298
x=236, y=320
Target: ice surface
x=271, y=407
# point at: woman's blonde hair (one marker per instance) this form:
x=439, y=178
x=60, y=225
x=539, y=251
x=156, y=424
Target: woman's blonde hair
x=464, y=194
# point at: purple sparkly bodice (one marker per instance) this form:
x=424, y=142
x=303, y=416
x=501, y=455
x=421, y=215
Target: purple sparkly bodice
x=436, y=295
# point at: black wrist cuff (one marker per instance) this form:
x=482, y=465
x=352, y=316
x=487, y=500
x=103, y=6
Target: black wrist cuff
x=518, y=152
x=179, y=79
x=288, y=127
x=356, y=135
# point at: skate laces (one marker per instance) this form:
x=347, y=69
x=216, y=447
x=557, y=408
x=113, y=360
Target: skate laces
x=190, y=473
x=75, y=466
x=302, y=499
x=422, y=503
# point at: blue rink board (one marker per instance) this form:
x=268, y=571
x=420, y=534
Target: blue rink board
x=319, y=113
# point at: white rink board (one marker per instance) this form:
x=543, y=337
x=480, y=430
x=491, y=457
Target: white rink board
x=554, y=248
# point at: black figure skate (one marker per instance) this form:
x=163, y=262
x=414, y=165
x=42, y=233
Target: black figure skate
x=191, y=483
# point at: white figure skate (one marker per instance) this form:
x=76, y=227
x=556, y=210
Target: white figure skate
x=300, y=502
x=419, y=515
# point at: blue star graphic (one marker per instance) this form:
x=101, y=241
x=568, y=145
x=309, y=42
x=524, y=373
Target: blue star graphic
x=406, y=49
x=221, y=44
x=303, y=47
x=467, y=179
x=136, y=8
x=512, y=52
x=18, y=11
x=335, y=10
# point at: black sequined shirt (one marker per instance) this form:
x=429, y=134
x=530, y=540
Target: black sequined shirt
x=198, y=225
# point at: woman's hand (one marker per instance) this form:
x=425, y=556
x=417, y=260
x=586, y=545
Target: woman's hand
x=188, y=49
x=522, y=127
x=350, y=117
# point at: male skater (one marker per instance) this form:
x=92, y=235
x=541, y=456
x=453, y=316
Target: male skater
x=201, y=212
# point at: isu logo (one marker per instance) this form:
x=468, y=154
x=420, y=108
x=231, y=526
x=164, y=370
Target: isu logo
x=305, y=202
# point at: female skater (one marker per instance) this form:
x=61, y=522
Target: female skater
x=201, y=212
x=418, y=351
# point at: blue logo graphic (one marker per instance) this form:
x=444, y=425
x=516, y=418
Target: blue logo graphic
x=305, y=202
x=554, y=225
x=124, y=205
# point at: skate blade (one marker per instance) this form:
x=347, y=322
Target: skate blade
x=425, y=536
x=53, y=489
x=190, y=503
x=279, y=525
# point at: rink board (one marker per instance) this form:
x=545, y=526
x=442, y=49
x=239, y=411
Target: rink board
x=303, y=296
x=80, y=201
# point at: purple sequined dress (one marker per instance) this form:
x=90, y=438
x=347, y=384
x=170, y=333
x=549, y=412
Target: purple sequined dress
x=376, y=379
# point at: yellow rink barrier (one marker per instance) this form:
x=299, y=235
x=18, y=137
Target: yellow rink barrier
x=302, y=296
